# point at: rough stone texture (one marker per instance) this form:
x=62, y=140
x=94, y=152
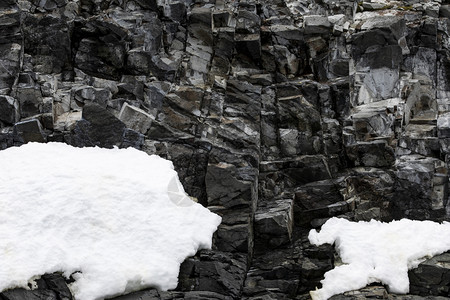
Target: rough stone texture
x=421, y=187
x=29, y=295
x=135, y=118
x=371, y=154
x=9, y=109
x=276, y=114
x=98, y=127
x=273, y=225
x=431, y=277
x=30, y=131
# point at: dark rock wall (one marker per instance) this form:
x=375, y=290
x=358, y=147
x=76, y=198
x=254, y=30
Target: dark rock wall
x=277, y=115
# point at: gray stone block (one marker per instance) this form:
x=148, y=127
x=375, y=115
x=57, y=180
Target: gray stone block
x=30, y=131
x=135, y=118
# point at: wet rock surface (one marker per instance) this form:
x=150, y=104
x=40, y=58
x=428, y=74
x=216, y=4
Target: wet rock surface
x=276, y=114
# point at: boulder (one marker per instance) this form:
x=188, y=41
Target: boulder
x=247, y=22
x=444, y=11
x=20, y=294
x=7, y=3
x=319, y=194
x=88, y=93
x=131, y=138
x=234, y=238
x=420, y=139
x=9, y=109
x=420, y=187
x=144, y=295
x=443, y=125
x=98, y=127
x=10, y=139
x=47, y=39
x=57, y=283
x=280, y=176
x=431, y=277
x=274, y=272
x=375, y=120
x=274, y=223
x=299, y=126
x=100, y=59
x=138, y=62
x=10, y=44
x=10, y=54
x=148, y=4
x=217, y=272
x=205, y=295
x=393, y=25
x=249, y=44
x=200, y=15
x=164, y=68
x=135, y=118
x=30, y=131
x=225, y=188
x=67, y=121
x=51, y=4
x=316, y=24
x=30, y=101
x=235, y=233
x=376, y=154
x=288, y=32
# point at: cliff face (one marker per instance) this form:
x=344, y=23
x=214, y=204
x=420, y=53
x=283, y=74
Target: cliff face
x=277, y=115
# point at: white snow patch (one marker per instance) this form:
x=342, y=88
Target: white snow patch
x=118, y=217
x=377, y=252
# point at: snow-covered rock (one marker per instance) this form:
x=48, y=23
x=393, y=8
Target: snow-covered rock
x=117, y=220
x=377, y=252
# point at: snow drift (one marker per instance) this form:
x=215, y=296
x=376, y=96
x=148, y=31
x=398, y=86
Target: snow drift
x=117, y=219
x=377, y=252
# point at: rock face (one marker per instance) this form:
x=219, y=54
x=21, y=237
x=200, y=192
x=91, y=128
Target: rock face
x=277, y=115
